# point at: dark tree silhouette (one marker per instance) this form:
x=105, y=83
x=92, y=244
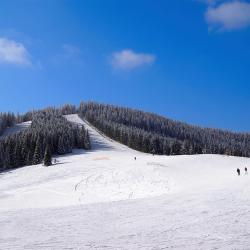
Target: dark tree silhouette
x=47, y=160
x=152, y=133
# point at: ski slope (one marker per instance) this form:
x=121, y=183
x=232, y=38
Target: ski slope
x=16, y=128
x=105, y=199
x=98, y=140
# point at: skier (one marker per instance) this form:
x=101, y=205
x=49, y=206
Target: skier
x=135, y=158
x=246, y=170
x=55, y=161
x=238, y=171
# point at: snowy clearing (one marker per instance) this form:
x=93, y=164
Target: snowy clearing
x=105, y=199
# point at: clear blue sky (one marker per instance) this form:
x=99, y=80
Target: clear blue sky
x=185, y=59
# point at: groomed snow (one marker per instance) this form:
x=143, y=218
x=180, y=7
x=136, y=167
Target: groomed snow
x=105, y=199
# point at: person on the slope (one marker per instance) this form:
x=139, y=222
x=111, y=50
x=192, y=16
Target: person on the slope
x=238, y=171
x=246, y=170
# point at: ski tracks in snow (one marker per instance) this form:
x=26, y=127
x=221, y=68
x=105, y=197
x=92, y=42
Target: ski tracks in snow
x=177, y=202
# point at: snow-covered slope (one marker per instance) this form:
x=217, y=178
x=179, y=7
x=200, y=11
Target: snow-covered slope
x=16, y=128
x=98, y=140
x=105, y=199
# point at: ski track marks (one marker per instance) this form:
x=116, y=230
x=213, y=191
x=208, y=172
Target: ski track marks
x=104, y=199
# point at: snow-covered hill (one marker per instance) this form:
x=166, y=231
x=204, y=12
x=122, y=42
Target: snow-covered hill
x=112, y=197
x=16, y=128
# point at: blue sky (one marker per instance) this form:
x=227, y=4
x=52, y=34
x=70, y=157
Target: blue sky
x=184, y=59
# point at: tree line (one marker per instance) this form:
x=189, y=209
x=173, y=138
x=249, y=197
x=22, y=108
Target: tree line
x=151, y=133
x=50, y=133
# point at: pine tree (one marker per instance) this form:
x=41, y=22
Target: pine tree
x=47, y=157
x=86, y=139
x=61, y=146
x=29, y=160
x=37, y=154
x=176, y=148
x=17, y=156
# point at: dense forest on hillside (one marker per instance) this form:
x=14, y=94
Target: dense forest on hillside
x=152, y=133
x=50, y=133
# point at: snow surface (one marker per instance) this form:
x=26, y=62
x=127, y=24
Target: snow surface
x=105, y=199
x=16, y=128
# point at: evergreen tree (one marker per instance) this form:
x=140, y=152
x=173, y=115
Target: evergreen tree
x=47, y=157
x=86, y=139
x=37, y=154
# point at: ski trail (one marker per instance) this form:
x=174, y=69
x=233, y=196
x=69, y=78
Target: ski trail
x=104, y=199
x=98, y=140
x=15, y=129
